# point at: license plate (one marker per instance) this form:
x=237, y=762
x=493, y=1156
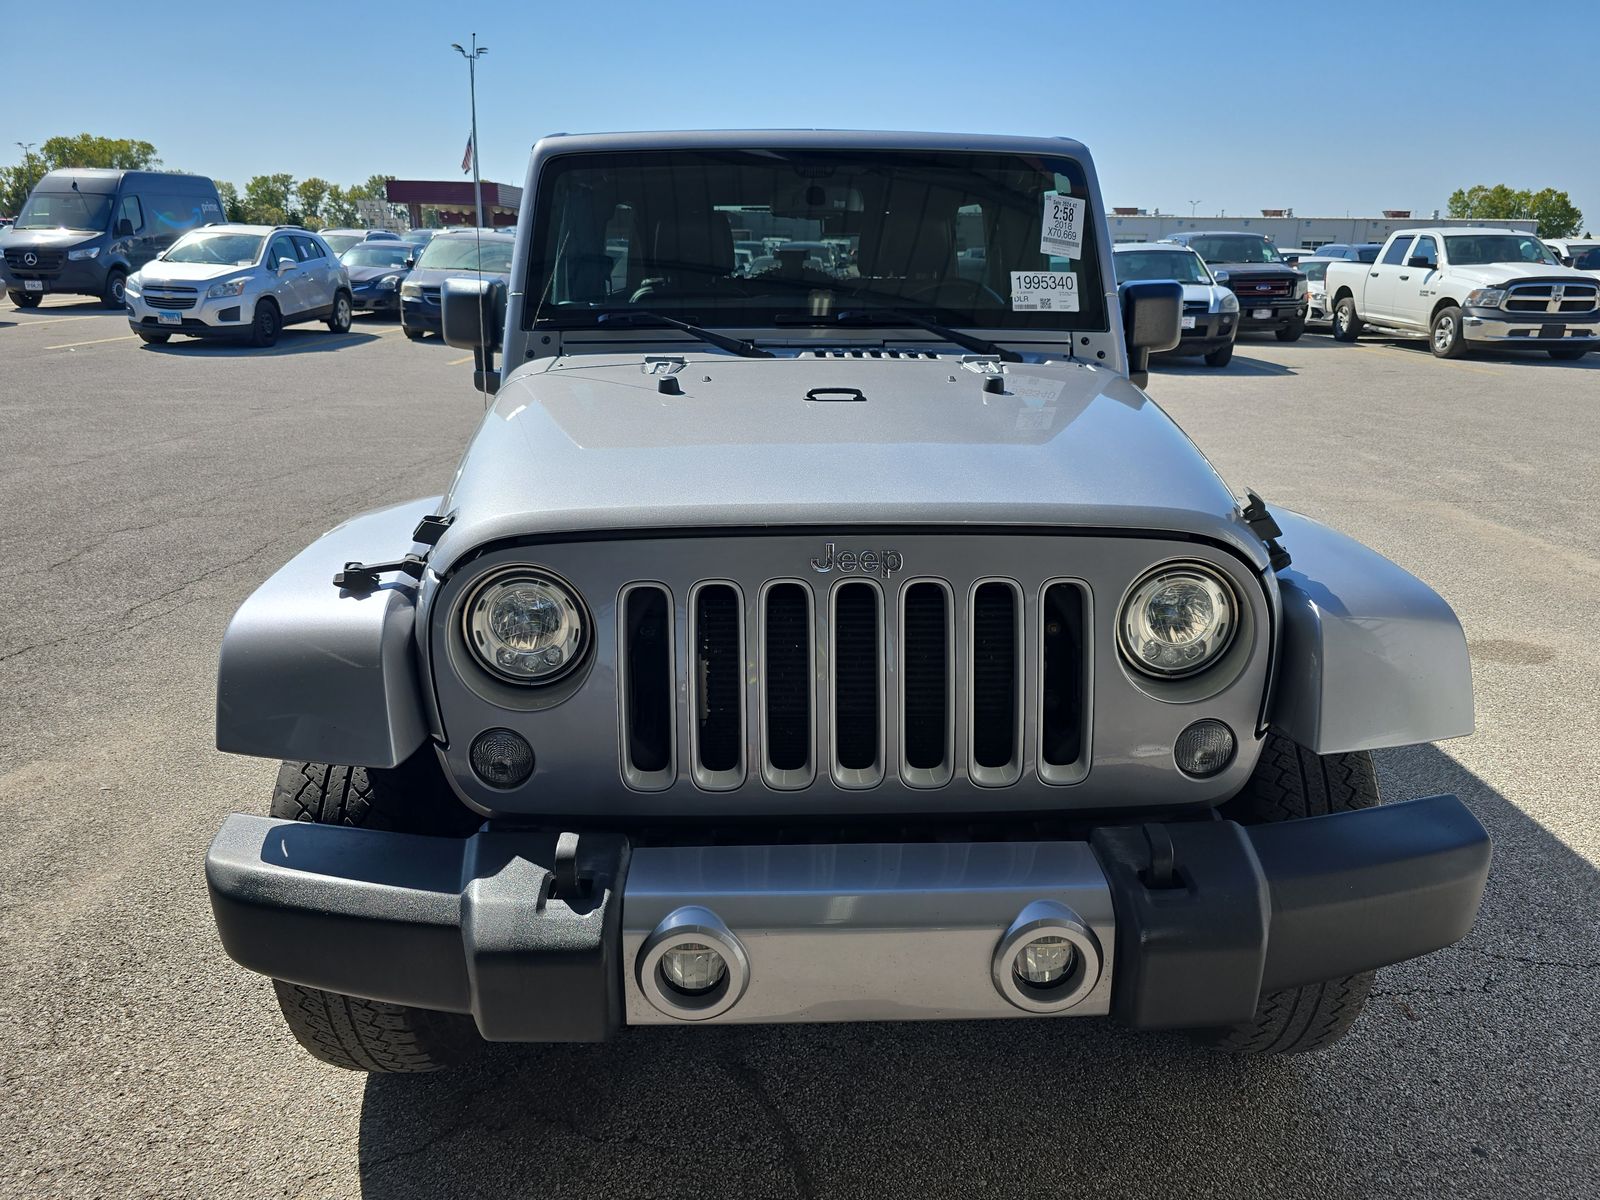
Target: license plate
x=33, y=285
x=1188, y=323
x=167, y=318
x=1552, y=331
x=1262, y=314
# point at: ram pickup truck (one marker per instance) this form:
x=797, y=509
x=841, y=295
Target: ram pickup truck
x=839, y=639
x=1466, y=289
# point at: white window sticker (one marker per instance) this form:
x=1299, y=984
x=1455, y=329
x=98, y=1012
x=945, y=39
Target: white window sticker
x=1044, y=291
x=1062, y=231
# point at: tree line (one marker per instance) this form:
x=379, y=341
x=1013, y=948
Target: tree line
x=277, y=199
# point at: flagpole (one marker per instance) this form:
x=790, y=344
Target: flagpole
x=472, y=85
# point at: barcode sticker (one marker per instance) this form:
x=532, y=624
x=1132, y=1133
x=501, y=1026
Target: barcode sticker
x=1044, y=291
x=1062, y=231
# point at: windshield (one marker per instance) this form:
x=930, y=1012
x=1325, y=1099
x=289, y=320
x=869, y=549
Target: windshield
x=461, y=254
x=826, y=231
x=1182, y=265
x=1586, y=258
x=1481, y=248
x=1368, y=253
x=85, y=211
x=378, y=254
x=230, y=249
x=1314, y=271
x=340, y=242
x=1234, y=248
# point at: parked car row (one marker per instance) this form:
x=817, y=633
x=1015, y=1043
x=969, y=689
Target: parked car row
x=1461, y=287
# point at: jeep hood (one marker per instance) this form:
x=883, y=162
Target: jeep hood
x=592, y=443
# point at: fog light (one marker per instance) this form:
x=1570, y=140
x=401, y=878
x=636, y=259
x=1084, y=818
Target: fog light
x=1204, y=748
x=501, y=758
x=693, y=967
x=1044, y=961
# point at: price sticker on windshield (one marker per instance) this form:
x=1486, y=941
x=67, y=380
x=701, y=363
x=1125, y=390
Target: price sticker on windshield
x=1044, y=291
x=1062, y=231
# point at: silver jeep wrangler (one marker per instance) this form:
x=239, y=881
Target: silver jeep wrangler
x=830, y=633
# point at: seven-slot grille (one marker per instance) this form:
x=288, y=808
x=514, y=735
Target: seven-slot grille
x=833, y=665
x=1560, y=298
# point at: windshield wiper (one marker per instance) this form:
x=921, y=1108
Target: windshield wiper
x=886, y=317
x=722, y=341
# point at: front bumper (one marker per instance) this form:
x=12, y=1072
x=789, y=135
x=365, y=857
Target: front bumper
x=85, y=277
x=1533, y=330
x=1280, y=314
x=222, y=317
x=419, y=313
x=373, y=300
x=493, y=925
x=1211, y=331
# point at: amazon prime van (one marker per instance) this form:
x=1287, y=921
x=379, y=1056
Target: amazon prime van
x=83, y=231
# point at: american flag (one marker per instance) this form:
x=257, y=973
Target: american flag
x=466, y=159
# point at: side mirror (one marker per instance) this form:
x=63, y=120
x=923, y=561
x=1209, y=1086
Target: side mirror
x=1417, y=260
x=1152, y=321
x=286, y=264
x=411, y=262
x=124, y=228
x=473, y=318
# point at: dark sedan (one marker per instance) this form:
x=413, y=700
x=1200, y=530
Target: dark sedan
x=451, y=253
x=376, y=272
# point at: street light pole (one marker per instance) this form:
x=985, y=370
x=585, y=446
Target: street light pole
x=472, y=85
x=1193, y=204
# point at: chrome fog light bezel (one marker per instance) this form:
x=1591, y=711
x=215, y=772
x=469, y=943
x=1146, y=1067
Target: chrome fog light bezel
x=692, y=924
x=1047, y=919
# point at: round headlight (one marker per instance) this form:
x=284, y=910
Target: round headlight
x=527, y=627
x=1176, y=620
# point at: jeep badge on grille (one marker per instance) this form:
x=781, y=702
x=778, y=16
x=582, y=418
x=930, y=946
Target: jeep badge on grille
x=868, y=562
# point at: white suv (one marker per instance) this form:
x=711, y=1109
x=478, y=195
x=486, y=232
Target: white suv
x=239, y=281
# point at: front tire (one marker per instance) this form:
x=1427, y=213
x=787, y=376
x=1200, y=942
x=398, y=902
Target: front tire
x=26, y=299
x=1292, y=332
x=1221, y=356
x=116, y=284
x=339, y=321
x=350, y=1031
x=1346, y=322
x=1289, y=784
x=153, y=339
x=415, y=335
x=1445, y=338
x=267, y=323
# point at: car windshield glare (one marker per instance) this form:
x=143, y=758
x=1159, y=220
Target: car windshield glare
x=467, y=253
x=78, y=211
x=223, y=249
x=1235, y=249
x=1480, y=249
x=378, y=254
x=956, y=237
x=1160, y=264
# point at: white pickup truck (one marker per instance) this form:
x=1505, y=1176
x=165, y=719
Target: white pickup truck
x=1465, y=289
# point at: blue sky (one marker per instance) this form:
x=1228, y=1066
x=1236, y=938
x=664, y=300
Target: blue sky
x=1231, y=104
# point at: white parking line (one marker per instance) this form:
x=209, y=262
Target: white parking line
x=127, y=337
x=58, y=320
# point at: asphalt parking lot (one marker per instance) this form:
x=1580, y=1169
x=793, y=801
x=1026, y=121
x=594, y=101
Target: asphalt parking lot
x=148, y=490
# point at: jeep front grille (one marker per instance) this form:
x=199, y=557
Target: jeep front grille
x=833, y=665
